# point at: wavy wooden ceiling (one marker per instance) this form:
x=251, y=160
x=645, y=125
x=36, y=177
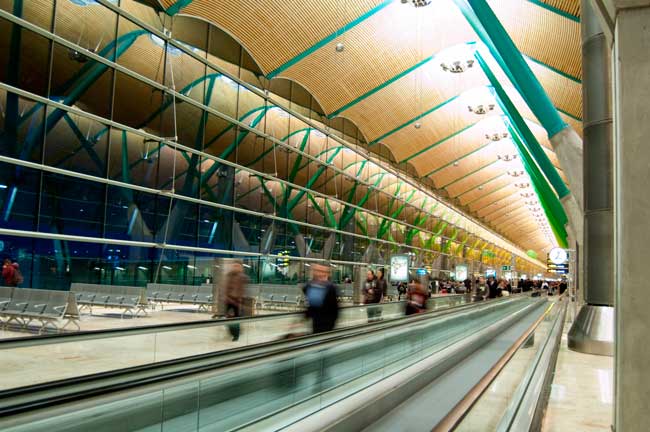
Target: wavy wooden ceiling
x=388, y=78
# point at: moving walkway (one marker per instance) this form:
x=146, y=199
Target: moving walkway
x=338, y=380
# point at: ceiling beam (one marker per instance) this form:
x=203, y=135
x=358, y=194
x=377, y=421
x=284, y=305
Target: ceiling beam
x=487, y=195
x=437, y=143
x=479, y=185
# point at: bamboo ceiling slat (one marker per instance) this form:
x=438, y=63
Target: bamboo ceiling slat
x=471, y=163
x=378, y=49
x=402, y=101
x=475, y=179
x=509, y=197
x=542, y=34
x=454, y=148
x=276, y=31
x=565, y=93
x=571, y=7
x=487, y=188
x=491, y=199
x=435, y=126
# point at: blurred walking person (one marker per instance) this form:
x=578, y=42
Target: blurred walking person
x=235, y=286
x=416, y=298
x=322, y=302
x=373, y=291
x=11, y=273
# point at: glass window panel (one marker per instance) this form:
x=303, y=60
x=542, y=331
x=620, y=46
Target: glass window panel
x=25, y=58
x=88, y=24
x=81, y=82
x=146, y=113
x=135, y=215
x=37, y=12
x=19, y=195
x=78, y=144
x=21, y=135
x=141, y=51
x=71, y=206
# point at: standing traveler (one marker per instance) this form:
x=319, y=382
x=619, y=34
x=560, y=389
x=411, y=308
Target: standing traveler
x=371, y=295
x=481, y=289
x=236, y=281
x=11, y=273
x=492, y=287
x=401, y=290
x=416, y=298
x=321, y=297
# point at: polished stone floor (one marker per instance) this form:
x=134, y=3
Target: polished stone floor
x=582, y=392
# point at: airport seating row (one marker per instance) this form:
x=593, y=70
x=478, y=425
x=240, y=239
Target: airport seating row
x=199, y=295
x=49, y=308
x=129, y=299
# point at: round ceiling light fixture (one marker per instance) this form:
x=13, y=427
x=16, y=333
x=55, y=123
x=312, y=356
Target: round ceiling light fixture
x=417, y=125
x=339, y=47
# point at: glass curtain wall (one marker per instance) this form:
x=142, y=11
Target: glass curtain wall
x=139, y=150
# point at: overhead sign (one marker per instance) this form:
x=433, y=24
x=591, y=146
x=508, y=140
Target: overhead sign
x=399, y=268
x=505, y=268
x=421, y=271
x=491, y=272
x=461, y=272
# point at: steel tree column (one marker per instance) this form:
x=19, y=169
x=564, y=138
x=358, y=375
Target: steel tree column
x=592, y=331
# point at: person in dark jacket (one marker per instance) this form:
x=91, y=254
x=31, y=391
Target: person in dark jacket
x=322, y=302
x=493, y=290
x=380, y=292
x=235, y=285
x=371, y=295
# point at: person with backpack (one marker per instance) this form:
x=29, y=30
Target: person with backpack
x=322, y=300
x=11, y=273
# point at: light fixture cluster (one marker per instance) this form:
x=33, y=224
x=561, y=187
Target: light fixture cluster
x=418, y=3
x=497, y=136
x=515, y=173
x=457, y=66
x=481, y=109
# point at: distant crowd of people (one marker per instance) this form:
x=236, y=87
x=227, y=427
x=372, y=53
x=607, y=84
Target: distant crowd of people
x=322, y=297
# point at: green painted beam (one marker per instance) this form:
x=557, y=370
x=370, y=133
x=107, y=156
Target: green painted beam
x=555, y=10
x=439, y=142
x=321, y=43
x=480, y=185
x=177, y=6
x=532, y=145
x=489, y=28
x=553, y=69
x=468, y=174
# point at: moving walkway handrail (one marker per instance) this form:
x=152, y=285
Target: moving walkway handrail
x=28, y=341
x=22, y=399
x=526, y=406
x=456, y=415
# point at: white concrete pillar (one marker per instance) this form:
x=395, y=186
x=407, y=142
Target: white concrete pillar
x=632, y=217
